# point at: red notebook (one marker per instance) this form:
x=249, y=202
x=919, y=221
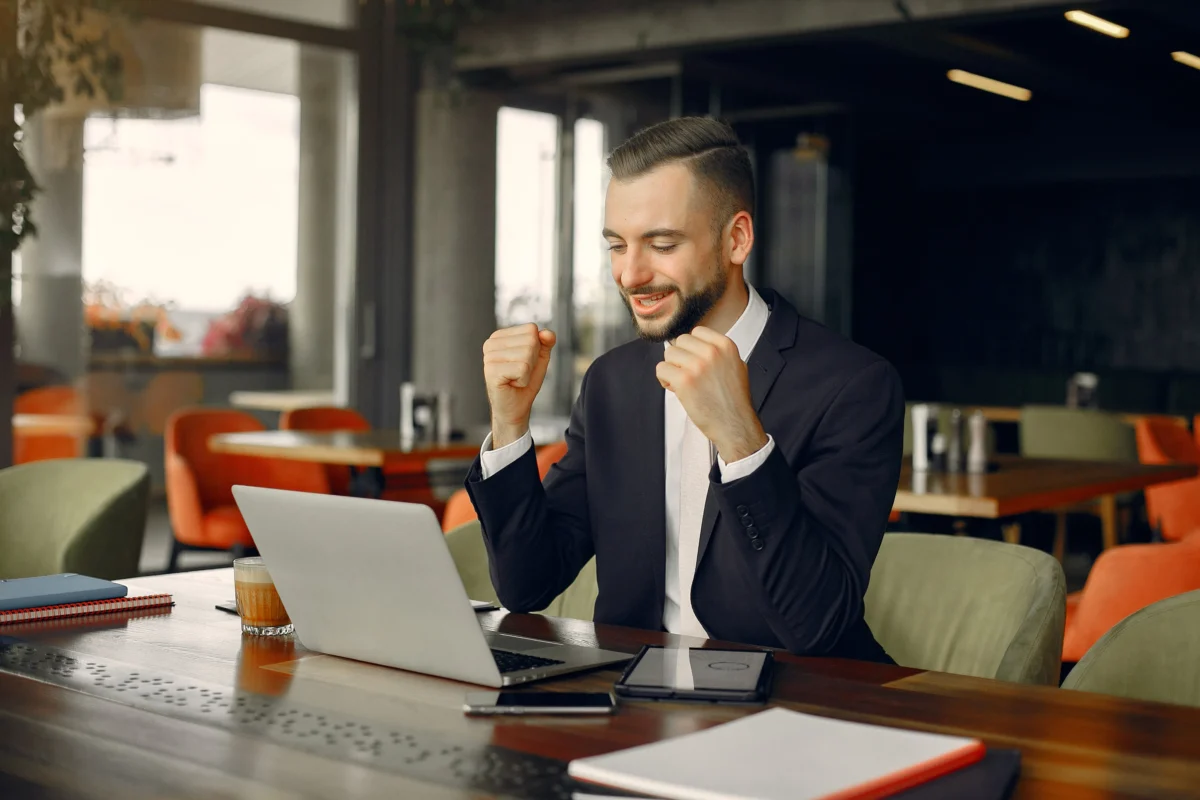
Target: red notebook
x=131, y=602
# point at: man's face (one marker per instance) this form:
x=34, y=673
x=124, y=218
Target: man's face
x=666, y=256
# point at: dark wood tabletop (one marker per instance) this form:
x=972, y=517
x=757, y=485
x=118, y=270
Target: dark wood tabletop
x=179, y=704
x=1019, y=485
x=376, y=448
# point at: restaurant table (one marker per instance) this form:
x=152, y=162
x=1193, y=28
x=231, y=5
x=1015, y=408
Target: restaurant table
x=284, y=400
x=180, y=703
x=1020, y=485
x=1013, y=414
x=370, y=455
x=54, y=424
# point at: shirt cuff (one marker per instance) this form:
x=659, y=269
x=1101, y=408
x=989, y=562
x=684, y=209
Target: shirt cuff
x=744, y=467
x=492, y=461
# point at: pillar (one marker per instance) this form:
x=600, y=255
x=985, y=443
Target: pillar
x=50, y=327
x=311, y=320
x=454, y=281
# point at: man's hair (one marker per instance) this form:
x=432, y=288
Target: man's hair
x=709, y=148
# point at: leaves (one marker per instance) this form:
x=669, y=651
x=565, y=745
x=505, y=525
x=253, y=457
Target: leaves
x=57, y=50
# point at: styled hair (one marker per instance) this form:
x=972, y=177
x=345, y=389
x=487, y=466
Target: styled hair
x=709, y=148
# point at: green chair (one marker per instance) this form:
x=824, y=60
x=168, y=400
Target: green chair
x=968, y=606
x=1153, y=654
x=578, y=601
x=84, y=515
x=1085, y=435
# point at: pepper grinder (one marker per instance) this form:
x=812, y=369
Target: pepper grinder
x=977, y=456
x=920, y=436
x=954, y=449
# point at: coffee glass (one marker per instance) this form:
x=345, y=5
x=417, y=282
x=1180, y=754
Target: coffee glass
x=258, y=602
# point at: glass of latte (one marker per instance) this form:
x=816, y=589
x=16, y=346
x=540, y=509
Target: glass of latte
x=258, y=602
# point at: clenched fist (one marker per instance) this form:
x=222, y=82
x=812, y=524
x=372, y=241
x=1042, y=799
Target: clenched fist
x=514, y=366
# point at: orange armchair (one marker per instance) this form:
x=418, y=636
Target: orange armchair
x=200, y=500
x=1173, y=508
x=63, y=400
x=459, y=509
x=327, y=418
x=1124, y=580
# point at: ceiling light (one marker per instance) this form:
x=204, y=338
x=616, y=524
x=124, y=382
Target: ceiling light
x=1186, y=58
x=1097, y=24
x=989, y=85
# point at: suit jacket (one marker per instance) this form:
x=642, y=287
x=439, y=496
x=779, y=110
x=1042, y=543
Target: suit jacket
x=785, y=553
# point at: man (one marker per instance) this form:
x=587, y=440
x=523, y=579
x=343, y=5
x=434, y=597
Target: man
x=732, y=471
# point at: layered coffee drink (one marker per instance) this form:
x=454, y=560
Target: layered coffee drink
x=258, y=602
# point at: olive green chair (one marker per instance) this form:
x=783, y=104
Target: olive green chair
x=968, y=606
x=578, y=601
x=85, y=515
x=1153, y=654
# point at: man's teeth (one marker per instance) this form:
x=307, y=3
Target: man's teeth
x=651, y=299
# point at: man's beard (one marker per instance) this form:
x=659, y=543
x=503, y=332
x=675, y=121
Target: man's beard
x=692, y=308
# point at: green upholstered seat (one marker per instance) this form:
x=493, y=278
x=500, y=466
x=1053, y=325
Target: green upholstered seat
x=1086, y=434
x=84, y=515
x=1153, y=654
x=968, y=606
x=578, y=601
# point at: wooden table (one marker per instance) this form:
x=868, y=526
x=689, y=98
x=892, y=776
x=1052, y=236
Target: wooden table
x=371, y=455
x=92, y=740
x=54, y=424
x=1013, y=414
x=1021, y=485
x=282, y=400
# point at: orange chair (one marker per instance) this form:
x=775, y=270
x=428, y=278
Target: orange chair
x=200, y=500
x=327, y=418
x=459, y=509
x=63, y=400
x=1124, y=580
x=1173, y=508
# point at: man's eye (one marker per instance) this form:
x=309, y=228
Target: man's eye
x=663, y=248
x=616, y=248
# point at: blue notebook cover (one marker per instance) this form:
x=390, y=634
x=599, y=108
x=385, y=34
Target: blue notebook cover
x=19, y=594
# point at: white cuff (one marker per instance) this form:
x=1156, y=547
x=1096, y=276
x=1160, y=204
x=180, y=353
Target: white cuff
x=743, y=467
x=492, y=461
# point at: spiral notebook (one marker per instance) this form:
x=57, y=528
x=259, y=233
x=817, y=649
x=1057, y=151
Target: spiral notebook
x=131, y=602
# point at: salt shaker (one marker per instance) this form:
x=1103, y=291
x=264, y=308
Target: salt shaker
x=977, y=456
x=920, y=435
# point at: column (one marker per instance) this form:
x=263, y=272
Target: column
x=454, y=282
x=50, y=327
x=311, y=320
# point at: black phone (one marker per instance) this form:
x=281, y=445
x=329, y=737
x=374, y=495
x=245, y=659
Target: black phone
x=698, y=674
x=229, y=607
x=489, y=703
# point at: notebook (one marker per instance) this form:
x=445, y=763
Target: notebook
x=782, y=755
x=54, y=590
x=135, y=601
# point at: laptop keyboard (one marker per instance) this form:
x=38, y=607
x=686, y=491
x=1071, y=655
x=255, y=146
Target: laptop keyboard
x=515, y=662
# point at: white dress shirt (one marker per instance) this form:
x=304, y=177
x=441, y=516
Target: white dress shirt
x=745, y=333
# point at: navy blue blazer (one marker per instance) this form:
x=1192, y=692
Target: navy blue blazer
x=785, y=553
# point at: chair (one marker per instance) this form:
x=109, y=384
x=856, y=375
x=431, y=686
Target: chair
x=1153, y=654
x=1172, y=508
x=200, y=500
x=578, y=601
x=459, y=509
x=1124, y=580
x=968, y=606
x=1085, y=435
x=327, y=418
x=30, y=447
x=73, y=515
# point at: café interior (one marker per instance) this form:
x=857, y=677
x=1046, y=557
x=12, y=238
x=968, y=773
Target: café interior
x=273, y=260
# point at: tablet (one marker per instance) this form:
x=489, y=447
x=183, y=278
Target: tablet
x=696, y=673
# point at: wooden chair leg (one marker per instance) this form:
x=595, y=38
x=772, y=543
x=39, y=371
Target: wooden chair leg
x=1011, y=532
x=173, y=561
x=1108, y=521
x=1060, y=535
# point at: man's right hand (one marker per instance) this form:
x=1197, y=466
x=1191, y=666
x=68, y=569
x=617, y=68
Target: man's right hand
x=514, y=366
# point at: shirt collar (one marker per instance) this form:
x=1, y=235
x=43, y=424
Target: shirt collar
x=749, y=327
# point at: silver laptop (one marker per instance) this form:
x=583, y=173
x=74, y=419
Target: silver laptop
x=373, y=580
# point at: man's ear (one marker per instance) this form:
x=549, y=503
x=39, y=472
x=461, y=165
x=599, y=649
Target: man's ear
x=740, y=238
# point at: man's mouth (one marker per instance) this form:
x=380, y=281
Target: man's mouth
x=647, y=305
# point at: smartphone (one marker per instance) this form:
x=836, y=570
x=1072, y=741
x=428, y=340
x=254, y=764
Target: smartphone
x=229, y=607
x=489, y=703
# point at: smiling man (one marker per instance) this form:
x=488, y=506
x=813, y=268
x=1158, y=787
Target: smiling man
x=733, y=469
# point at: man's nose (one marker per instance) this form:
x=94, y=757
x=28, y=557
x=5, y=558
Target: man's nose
x=635, y=271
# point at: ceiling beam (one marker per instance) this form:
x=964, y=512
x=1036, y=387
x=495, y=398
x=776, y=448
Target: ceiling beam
x=601, y=29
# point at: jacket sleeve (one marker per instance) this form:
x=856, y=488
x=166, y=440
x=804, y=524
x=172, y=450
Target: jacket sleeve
x=537, y=536
x=808, y=534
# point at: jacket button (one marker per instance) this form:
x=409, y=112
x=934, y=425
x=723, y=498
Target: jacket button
x=757, y=544
x=752, y=532
x=743, y=511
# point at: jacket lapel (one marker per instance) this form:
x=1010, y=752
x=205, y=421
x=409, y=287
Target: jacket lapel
x=763, y=367
x=651, y=439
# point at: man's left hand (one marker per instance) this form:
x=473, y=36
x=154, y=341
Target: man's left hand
x=707, y=374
